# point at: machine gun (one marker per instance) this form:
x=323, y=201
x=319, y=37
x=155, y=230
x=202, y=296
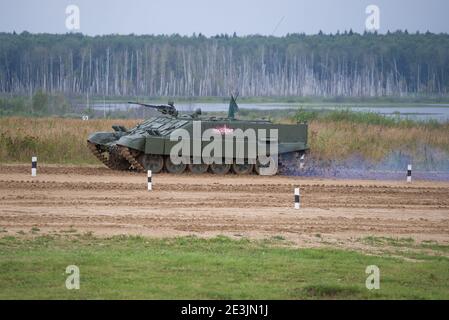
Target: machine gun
x=164, y=109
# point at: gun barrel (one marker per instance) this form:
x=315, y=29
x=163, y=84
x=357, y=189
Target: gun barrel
x=146, y=105
x=166, y=109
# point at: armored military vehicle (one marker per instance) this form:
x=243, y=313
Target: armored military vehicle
x=148, y=145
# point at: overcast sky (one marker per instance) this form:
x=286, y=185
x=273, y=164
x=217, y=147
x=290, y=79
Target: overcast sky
x=212, y=17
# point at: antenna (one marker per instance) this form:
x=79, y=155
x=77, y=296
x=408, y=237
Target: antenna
x=277, y=26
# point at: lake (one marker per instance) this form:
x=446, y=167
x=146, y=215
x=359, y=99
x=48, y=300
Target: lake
x=419, y=112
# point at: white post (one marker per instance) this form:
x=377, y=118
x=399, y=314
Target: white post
x=150, y=184
x=33, y=166
x=297, y=199
x=409, y=173
x=301, y=162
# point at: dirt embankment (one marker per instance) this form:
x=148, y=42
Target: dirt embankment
x=80, y=199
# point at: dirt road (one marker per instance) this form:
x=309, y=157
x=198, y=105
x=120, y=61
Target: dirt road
x=340, y=212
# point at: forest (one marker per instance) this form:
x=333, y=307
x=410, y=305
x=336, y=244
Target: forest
x=345, y=64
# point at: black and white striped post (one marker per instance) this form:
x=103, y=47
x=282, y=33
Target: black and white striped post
x=297, y=199
x=150, y=182
x=301, y=162
x=33, y=166
x=409, y=173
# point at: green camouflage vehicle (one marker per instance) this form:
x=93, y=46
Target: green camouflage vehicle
x=148, y=145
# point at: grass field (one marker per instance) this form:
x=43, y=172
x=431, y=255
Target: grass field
x=217, y=268
x=335, y=136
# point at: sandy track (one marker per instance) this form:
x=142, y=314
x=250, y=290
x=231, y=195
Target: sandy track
x=107, y=202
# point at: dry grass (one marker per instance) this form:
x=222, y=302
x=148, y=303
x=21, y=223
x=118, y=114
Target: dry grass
x=337, y=140
x=53, y=140
x=57, y=140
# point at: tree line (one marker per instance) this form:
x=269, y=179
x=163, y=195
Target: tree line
x=343, y=64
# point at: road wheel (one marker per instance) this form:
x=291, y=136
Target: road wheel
x=270, y=169
x=152, y=162
x=220, y=168
x=242, y=169
x=198, y=168
x=174, y=168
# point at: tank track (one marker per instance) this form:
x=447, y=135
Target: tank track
x=126, y=153
x=288, y=163
x=94, y=149
x=111, y=161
